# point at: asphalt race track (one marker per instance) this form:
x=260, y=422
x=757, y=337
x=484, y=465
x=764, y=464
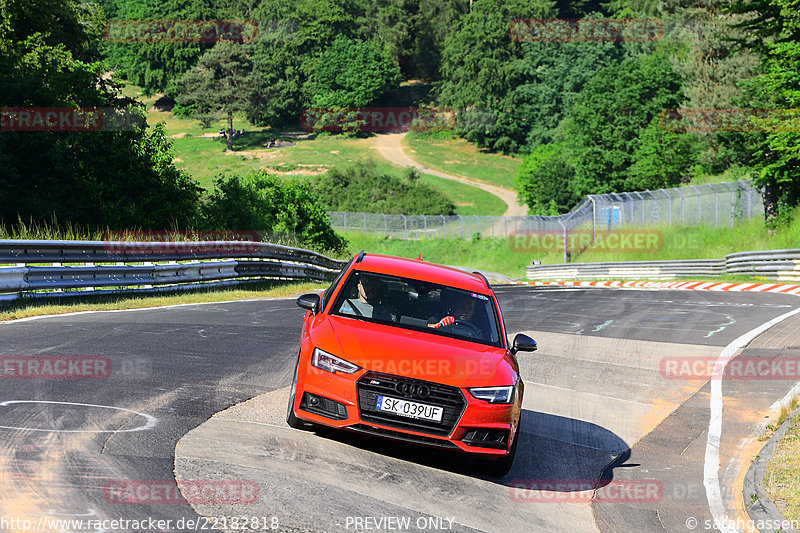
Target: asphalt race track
x=199, y=392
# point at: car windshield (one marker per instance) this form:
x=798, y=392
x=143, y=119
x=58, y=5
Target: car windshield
x=421, y=305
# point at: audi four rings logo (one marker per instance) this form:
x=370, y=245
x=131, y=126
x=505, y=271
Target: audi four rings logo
x=406, y=388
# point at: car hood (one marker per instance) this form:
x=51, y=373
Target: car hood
x=414, y=354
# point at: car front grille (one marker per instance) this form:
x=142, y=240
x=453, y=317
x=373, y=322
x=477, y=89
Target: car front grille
x=374, y=384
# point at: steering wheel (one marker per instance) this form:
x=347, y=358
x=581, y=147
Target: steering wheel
x=468, y=329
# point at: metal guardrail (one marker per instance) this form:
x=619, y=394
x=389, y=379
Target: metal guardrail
x=772, y=265
x=58, y=268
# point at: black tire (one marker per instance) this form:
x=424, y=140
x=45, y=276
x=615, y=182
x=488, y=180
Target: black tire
x=501, y=467
x=292, y=420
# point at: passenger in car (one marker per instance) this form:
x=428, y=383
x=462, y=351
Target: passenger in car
x=369, y=302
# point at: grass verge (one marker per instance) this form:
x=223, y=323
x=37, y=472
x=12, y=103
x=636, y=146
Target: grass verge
x=672, y=242
x=462, y=158
x=492, y=254
x=267, y=290
x=782, y=479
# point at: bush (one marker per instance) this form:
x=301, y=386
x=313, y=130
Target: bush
x=287, y=211
x=362, y=188
x=543, y=180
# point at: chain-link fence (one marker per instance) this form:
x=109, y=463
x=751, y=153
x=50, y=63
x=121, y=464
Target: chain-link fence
x=711, y=204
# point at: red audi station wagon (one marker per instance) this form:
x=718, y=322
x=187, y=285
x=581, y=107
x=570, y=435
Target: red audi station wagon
x=412, y=351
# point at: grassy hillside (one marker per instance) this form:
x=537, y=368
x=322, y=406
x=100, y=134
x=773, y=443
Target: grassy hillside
x=201, y=151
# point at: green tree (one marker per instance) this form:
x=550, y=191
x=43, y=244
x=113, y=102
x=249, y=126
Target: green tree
x=157, y=66
x=352, y=74
x=551, y=77
x=610, y=113
x=287, y=211
x=119, y=178
x=663, y=158
x=218, y=86
x=285, y=59
x=544, y=180
x=773, y=31
x=479, y=70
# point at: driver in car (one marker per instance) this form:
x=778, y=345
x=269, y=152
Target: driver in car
x=462, y=309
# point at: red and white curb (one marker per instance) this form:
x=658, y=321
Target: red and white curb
x=783, y=288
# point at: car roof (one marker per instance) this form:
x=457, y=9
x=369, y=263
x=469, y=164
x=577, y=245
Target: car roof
x=422, y=270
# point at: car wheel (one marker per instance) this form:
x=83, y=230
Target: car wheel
x=501, y=467
x=292, y=420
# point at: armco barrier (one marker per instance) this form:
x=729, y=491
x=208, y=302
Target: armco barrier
x=772, y=265
x=51, y=268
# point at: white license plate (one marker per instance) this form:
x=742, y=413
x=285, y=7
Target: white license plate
x=409, y=409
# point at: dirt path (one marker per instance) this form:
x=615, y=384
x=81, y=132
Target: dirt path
x=390, y=146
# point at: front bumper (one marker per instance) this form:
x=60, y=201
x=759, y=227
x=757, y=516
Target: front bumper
x=346, y=401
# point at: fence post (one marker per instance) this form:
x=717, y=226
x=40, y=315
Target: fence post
x=425, y=224
x=462, y=225
x=477, y=223
x=594, y=219
x=365, y=223
x=385, y=227
x=642, y=200
x=733, y=201
x=716, y=218
x=565, y=238
x=699, y=205
x=669, y=206
x=405, y=225
x=444, y=227
x=683, y=217
x=345, y=220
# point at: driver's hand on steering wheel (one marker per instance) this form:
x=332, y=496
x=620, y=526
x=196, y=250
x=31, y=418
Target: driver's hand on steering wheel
x=446, y=321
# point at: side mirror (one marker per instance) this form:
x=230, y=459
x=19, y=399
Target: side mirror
x=309, y=301
x=523, y=343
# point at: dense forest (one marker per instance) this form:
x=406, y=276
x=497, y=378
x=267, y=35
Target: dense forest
x=587, y=115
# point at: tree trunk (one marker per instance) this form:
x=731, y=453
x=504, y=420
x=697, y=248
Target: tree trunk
x=229, y=132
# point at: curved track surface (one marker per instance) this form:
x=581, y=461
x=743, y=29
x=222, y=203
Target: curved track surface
x=598, y=410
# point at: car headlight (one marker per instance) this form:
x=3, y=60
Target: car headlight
x=331, y=363
x=494, y=394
